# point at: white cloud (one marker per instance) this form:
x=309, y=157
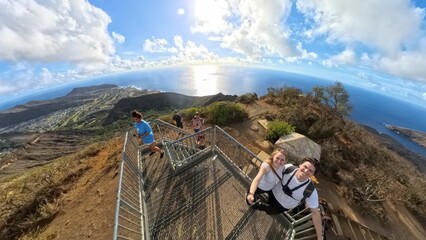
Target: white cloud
x=25, y=78
x=157, y=46
x=181, y=52
x=385, y=25
x=6, y=89
x=120, y=39
x=50, y=31
x=303, y=54
x=348, y=56
x=408, y=64
x=424, y=96
x=391, y=30
x=252, y=28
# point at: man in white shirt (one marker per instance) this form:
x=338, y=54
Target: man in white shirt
x=294, y=190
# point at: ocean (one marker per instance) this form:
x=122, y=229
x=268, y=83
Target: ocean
x=369, y=108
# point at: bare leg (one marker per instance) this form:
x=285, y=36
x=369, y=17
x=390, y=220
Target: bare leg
x=154, y=148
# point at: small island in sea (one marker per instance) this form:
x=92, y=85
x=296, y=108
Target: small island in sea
x=414, y=135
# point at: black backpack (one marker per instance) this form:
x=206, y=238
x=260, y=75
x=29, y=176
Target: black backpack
x=308, y=190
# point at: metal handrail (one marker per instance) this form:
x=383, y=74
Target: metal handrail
x=181, y=150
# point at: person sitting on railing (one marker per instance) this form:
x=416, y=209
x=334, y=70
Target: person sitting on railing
x=296, y=188
x=267, y=177
x=145, y=133
x=200, y=140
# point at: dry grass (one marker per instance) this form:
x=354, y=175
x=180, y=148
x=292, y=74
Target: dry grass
x=30, y=200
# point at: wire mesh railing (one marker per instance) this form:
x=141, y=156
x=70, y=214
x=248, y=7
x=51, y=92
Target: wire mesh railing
x=192, y=196
x=130, y=217
x=183, y=151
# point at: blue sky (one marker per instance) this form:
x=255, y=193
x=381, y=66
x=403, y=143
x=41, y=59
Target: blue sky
x=374, y=44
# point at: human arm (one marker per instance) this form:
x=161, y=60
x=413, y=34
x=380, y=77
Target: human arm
x=255, y=183
x=316, y=219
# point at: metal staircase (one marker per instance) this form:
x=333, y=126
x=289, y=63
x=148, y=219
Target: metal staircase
x=196, y=191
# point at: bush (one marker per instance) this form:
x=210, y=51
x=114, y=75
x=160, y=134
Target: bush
x=247, y=98
x=221, y=113
x=277, y=128
x=283, y=95
x=189, y=113
x=168, y=118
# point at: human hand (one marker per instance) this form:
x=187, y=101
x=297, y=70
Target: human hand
x=250, y=198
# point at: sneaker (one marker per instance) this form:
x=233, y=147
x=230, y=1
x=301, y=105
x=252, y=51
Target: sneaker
x=161, y=154
x=150, y=154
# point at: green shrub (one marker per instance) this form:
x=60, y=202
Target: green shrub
x=167, y=118
x=277, y=128
x=189, y=113
x=283, y=95
x=247, y=98
x=221, y=113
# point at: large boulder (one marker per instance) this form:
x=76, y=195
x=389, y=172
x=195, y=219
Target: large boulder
x=298, y=147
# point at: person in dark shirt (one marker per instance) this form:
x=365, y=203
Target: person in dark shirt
x=178, y=119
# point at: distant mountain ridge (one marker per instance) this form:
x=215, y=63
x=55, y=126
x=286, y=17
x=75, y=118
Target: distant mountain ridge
x=34, y=109
x=161, y=101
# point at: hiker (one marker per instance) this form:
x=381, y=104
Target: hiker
x=268, y=175
x=200, y=140
x=177, y=118
x=295, y=188
x=145, y=133
x=197, y=122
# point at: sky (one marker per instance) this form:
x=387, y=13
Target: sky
x=375, y=44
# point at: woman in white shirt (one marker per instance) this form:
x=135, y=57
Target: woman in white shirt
x=267, y=177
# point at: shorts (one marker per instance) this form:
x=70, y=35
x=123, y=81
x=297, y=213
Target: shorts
x=148, y=139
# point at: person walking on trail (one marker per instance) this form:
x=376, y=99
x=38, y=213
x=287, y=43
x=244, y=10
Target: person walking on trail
x=295, y=188
x=177, y=118
x=197, y=122
x=145, y=133
x=267, y=177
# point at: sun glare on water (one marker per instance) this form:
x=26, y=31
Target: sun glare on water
x=204, y=80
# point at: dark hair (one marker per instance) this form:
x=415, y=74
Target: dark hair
x=136, y=114
x=314, y=162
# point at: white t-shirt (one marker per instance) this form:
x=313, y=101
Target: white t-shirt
x=287, y=201
x=270, y=179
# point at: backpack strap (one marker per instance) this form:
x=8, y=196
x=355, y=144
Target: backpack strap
x=308, y=190
x=289, y=169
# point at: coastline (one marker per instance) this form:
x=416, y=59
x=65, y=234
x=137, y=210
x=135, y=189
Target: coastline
x=418, y=160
